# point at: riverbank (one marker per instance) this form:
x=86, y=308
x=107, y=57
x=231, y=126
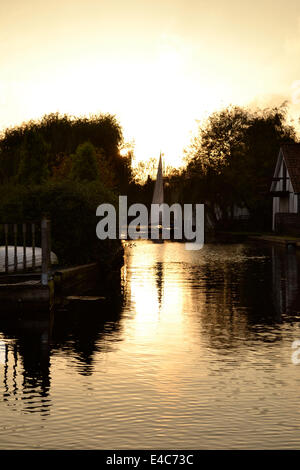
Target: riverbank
x=285, y=240
x=240, y=237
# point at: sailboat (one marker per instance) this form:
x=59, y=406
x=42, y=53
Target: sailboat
x=158, y=197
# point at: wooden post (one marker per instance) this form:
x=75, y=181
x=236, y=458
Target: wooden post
x=6, y=247
x=33, y=245
x=45, y=233
x=24, y=246
x=15, y=247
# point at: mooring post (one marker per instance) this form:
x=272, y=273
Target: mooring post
x=46, y=261
x=6, y=247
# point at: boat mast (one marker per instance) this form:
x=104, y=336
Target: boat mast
x=158, y=194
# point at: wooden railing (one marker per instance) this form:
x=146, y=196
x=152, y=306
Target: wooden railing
x=23, y=239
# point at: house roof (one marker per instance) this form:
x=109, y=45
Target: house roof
x=291, y=155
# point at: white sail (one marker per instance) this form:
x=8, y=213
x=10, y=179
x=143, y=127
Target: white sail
x=158, y=195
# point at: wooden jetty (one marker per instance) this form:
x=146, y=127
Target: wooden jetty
x=29, y=282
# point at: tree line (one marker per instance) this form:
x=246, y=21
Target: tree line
x=229, y=163
x=56, y=147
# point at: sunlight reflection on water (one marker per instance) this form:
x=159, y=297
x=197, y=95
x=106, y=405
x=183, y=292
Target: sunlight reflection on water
x=198, y=355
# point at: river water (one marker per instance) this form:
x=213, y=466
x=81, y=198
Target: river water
x=195, y=354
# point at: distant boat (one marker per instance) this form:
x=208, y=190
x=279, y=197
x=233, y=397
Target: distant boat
x=20, y=258
x=158, y=195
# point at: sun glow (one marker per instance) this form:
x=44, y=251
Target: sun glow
x=158, y=68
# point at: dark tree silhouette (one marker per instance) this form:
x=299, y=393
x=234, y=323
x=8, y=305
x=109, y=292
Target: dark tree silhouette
x=232, y=159
x=84, y=163
x=62, y=134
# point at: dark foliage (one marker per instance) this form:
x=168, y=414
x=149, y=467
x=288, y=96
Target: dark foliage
x=60, y=136
x=232, y=160
x=71, y=208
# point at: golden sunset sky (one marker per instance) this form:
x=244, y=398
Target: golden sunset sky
x=157, y=65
